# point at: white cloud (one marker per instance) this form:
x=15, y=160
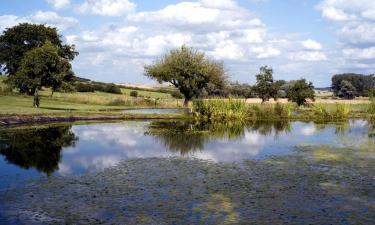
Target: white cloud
x=354, y=22
x=309, y=56
x=107, y=7
x=40, y=17
x=59, y=4
x=359, y=53
x=311, y=45
x=266, y=52
x=54, y=20
x=7, y=21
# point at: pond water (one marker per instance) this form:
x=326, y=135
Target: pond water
x=155, y=111
x=149, y=151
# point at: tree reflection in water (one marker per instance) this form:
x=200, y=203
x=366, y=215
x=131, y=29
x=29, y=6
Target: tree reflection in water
x=186, y=136
x=38, y=147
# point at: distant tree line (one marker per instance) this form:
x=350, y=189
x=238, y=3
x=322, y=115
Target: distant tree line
x=351, y=85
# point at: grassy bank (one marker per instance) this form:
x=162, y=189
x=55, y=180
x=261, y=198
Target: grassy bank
x=239, y=110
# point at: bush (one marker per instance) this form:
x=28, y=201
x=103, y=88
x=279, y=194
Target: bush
x=177, y=94
x=67, y=88
x=84, y=87
x=112, y=88
x=134, y=94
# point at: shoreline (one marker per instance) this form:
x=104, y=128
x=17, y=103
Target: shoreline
x=40, y=119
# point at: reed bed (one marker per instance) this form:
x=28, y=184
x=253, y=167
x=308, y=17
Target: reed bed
x=238, y=110
x=340, y=112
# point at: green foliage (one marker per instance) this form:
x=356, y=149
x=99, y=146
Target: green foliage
x=84, y=87
x=347, y=90
x=67, y=87
x=177, y=94
x=220, y=110
x=188, y=70
x=300, y=91
x=134, y=94
x=112, y=88
x=15, y=42
x=265, y=86
x=371, y=108
x=361, y=83
x=321, y=112
x=41, y=67
x=239, y=90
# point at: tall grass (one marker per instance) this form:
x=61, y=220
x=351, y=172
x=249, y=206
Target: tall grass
x=341, y=112
x=220, y=109
x=237, y=110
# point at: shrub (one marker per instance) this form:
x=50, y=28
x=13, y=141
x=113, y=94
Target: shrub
x=112, y=88
x=177, y=94
x=84, y=87
x=67, y=88
x=134, y=94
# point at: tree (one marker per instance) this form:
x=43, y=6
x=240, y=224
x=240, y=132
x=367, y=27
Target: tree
x=41, y=67
x=16, y=41
x=265, y=86
x=347, y=90
x=300, y=92
x=362, y=83
x=188, y=70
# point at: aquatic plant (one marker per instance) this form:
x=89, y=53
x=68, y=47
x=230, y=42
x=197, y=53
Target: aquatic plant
x=220, y=109
x=321, y=112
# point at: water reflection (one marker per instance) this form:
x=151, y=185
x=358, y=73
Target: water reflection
x=30, y=152
x=35, y=147
x=185, y=137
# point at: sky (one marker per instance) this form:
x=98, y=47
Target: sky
x=311, y=39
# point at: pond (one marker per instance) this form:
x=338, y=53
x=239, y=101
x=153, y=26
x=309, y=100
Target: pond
x=122, y=167
x=155, y=111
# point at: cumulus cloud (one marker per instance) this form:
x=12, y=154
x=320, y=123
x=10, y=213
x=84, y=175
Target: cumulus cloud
x=54, y=20
x=40, y=17
x=107, y=7
x=354, y=21
x=309, y=56
x=145, y=35
x=311, y=45
x=59, y=4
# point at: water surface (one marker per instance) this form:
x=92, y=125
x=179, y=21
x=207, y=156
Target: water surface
x=178, y=172
x=155, y=111
x=30, y=152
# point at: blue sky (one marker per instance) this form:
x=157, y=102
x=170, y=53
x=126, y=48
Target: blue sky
x=312, y=39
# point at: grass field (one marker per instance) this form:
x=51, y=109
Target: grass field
x=113, y=104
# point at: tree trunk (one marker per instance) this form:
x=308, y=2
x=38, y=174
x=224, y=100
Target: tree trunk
x=36, y=98
x=186, y=103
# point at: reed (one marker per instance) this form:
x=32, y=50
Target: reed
x=237, y=110
x=220, y=109
x=341, y=112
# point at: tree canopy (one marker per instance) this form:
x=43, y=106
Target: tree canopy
x=361, y=83
x=17, y=40
x=189, y=70
x=300, y=91
x=347, y=90
x=265, y=86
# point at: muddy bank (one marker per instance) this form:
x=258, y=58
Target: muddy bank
x=16, y=120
